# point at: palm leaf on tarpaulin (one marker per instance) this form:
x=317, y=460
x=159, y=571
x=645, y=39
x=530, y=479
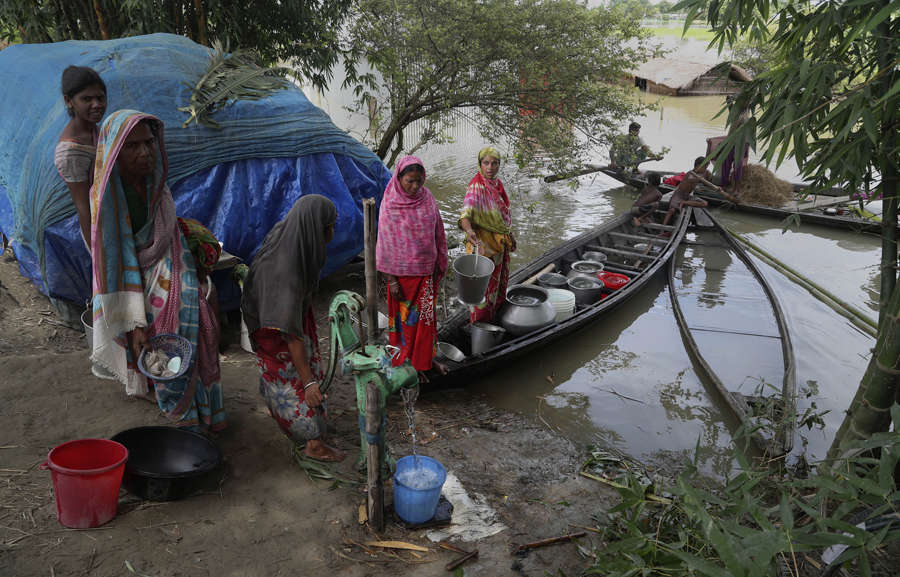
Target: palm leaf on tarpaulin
x=230, y=76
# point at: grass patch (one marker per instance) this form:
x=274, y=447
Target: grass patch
x=704, y=34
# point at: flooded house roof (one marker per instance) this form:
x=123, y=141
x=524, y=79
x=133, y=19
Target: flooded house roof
x=690, y=78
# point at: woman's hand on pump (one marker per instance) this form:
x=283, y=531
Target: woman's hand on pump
x=314, y=395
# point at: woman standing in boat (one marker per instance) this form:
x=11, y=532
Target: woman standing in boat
x=277, y=308
x=412, y=254
x=486, y=221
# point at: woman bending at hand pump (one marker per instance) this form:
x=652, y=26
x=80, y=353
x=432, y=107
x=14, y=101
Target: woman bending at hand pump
x=277, y=308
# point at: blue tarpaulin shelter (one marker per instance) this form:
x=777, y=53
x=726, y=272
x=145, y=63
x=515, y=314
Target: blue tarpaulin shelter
x=238, y=180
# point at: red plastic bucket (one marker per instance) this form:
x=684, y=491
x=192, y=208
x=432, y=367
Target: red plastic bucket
x=613, y=280
x=87, y=474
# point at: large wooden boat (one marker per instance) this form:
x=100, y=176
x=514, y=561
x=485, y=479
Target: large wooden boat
x=617, y=240
x=808, y=211
x=735, y=331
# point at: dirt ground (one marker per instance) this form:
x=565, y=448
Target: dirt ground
x=261, y=515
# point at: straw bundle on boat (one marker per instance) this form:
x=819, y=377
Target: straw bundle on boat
x=759, y=186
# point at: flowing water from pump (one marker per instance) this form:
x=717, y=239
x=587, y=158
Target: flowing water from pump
x=409, y=396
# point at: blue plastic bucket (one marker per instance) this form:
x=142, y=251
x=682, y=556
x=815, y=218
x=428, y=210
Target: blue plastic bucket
x=417, y=488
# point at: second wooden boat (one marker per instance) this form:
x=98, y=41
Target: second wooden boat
x=808, y=212
x=736, y=333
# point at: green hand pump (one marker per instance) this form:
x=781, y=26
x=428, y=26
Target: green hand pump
x=367, y=363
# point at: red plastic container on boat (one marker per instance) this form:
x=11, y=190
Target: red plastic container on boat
x=612, y=280
x=87, y=474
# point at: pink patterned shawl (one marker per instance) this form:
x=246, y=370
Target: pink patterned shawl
x=411, y=238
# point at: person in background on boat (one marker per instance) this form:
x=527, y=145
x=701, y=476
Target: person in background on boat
x=486, y=220
x=629, y=150
x=731, y=172
x=683, y=193
x=145, y=279
x=84, y=94
x=411, y=252
x=278, y=312
x=647, y=201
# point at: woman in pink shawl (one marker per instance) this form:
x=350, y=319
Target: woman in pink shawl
x=412, y=254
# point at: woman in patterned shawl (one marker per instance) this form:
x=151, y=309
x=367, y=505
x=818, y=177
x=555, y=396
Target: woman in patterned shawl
x=277, y=308
x=486, y=221
x=145, y=280
x=412, y=254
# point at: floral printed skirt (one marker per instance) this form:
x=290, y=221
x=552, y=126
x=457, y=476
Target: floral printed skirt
x=280, y=383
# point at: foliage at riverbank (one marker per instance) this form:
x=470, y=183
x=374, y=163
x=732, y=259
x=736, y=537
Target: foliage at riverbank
x=303, y=33
x=541, y=74
x=761, y=522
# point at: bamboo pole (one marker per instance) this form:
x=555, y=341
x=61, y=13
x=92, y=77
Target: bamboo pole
x=851, y=313
x=374, y=482
x=369, y=230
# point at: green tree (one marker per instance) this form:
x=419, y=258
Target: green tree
x=303, y=33
x=544, y=74
x=664, y=7
x=830, y=98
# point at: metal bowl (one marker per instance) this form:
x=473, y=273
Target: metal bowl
x=449, y=352
x=595, y=255
x=165, y=463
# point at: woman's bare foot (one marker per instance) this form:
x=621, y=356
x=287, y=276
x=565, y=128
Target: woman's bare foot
x=441, y=368
x=320, y=451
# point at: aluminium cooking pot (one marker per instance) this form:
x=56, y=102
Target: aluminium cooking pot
x=486, y=336
x=552, y=280
x=527, y=309
x=166, y=463
x=587, y=290
x=587, y=268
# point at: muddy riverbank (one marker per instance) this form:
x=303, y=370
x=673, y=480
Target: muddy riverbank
x=261, y=514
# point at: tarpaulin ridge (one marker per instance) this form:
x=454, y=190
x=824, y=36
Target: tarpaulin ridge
x=155, y=74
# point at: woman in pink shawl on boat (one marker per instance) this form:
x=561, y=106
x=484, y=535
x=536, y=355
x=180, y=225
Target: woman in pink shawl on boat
x=412, y=254
x=145, y=276
x=486, y=221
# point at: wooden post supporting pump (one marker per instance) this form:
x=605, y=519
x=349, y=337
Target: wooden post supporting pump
x=374, y=482
x=369, y=231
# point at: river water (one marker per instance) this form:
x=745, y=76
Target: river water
x=627, y=380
